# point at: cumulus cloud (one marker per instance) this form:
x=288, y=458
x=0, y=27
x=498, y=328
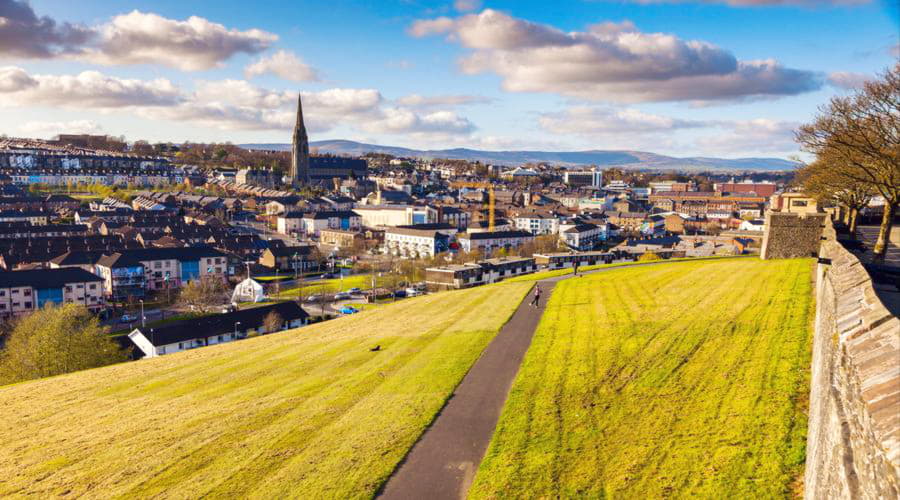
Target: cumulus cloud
x=283, y=64
x=50, y=129
x=226, y=104
x=610, y=62
x=425, y=102
x=592, y=121
x=401, y=120
x=466, y=5
x=88, y=89
x=25, y=35
x=752, y=137
x=134, y=38
x=848, y=80
x=190, y=45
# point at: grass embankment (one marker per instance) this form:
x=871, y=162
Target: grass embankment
x=308, y=413
x=685, y=380
x=568, y=270
x=334, y=285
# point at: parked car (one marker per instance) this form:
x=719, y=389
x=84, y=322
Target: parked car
x=400, y=294
x=342, y=296
x=349, y=310
x=313, y=298
x=412, y=292
x=127, y=319
x=354, y=291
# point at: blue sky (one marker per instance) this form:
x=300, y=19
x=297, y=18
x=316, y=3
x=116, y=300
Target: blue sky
x=727, y=78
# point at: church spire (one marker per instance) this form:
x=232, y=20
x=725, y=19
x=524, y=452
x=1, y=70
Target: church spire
x=299, y=149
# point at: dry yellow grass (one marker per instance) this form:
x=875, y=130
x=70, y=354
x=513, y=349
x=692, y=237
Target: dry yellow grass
x=308, y=413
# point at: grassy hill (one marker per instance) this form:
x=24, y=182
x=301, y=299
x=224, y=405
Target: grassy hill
x=684, y=380
x=308, y=413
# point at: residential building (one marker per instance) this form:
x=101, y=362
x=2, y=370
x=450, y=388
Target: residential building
x=764, y=189
x=568, y=259
x=315, y=222
x=214, y=329
x=396, y=215
x=415, y=243
x=537, y=222
x=454, y=277
x=340, y=238
x=23, y=292
x=583, y=236
x=294, y=259
x=490, y=241
x=592, y=177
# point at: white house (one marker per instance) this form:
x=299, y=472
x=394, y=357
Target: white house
x=214, y=329
x=583, y=236
x=489, y=241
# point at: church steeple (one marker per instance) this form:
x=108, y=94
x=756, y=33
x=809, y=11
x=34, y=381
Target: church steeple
x=300, y=149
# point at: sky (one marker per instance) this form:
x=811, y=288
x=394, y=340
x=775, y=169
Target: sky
x=725, y=78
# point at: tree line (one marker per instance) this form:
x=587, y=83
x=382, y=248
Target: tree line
x=856, y=143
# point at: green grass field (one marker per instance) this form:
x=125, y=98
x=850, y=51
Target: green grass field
x=334, y=285
x=309, y=413
x=683, y=380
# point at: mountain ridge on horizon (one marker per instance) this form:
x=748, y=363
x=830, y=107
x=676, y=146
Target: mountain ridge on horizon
x=604, y=158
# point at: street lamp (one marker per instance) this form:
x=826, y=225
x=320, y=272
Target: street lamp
x=143, y=322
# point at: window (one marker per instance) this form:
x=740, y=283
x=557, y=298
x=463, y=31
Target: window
x=27, y=305
x=2, y=293
x=68, y=288
x=798, y=203
x=93, y=286
x=2, y=307
x=157, y=265
x=27, y=292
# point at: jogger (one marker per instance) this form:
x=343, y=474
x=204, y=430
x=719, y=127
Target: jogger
x=535, y=301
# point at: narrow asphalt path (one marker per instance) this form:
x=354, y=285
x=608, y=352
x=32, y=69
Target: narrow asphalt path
x=442, y=464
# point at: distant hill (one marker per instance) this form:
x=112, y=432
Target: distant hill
x=623, y=159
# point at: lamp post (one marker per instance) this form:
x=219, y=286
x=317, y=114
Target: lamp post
x=235, y=328
x=143, y=322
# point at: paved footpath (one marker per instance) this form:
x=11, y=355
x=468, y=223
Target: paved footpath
x=442, y=464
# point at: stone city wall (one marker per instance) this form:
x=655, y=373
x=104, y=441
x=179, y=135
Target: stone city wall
x=789, y=235
x=853, y=446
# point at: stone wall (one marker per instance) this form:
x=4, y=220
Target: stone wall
x=790, y=235
x=853, y=446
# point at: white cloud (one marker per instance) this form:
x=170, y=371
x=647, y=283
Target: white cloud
x=466, y=5
x=49, y=129
x=593, y=121
x=86, y=90
x=610, y=62
x=284, y=64
x=847, y=80
x=753, y=137
x=24, y=34
x=400, y=120
x=424, y=102
x=190, y=45
x=134, y=38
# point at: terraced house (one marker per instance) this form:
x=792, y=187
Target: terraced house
x=23, y=292
x=132, y=272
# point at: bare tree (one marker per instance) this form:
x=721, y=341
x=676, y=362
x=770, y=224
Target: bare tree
x=824, y=181
x=273, y=322
x=204, y=293
x=860, y=136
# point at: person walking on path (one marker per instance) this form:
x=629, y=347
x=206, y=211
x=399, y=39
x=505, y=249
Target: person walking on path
x=535, y=301
x=576, y=268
